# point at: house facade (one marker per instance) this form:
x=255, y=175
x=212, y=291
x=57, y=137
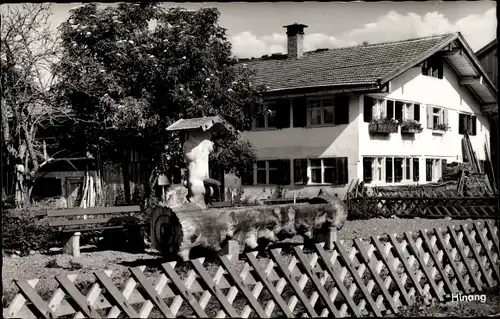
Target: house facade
x=323, y=106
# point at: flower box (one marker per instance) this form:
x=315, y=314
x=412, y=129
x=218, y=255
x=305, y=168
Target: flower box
x=382, y=128
x=411, y=127
x=441, y=127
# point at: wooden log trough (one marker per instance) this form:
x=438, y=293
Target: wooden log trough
x=177, y=231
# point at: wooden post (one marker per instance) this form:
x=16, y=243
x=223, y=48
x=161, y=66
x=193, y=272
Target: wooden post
x=294, y=197
x=72, y=246
x=232, y=249
x=331, y=238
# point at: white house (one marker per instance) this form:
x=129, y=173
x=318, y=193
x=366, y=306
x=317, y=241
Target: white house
x=317, y=133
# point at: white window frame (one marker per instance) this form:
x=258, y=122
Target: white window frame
x=266, y=117
x=322, y=167
x=439, y=112
x=381, y=108
x=378, y=165
x=321, y=108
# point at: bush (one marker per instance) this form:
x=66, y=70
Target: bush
x=23, y=231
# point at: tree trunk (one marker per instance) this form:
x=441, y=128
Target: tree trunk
x=126, y=177
x=178, y=230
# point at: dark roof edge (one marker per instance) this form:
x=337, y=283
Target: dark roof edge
x=486, y=47
x=362, y=87
x=418, y=59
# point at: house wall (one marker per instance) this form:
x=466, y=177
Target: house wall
x=412, y=86
x=308, y=142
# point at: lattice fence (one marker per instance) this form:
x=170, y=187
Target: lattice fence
x=424, y=207
x=364, y=277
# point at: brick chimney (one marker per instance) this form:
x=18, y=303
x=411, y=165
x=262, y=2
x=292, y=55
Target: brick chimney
x=295, y=44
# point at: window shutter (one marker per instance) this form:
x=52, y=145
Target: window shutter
x=341, y=109
x=390, y=109
x=284, y=170
x=445, y=116
x=428, y=170
x=388, y=170
x=461, y=123
x=299, y=112
x=300, y=171
x=398, y=114
x=443, y=168
x=368, y=108
x=429, y=117
x=474, y=125
x=398, y=169
x=342, y=170
x=416, y=169
x=283, y=113
x=416, y=112
x=367, y=169
x=439, y=64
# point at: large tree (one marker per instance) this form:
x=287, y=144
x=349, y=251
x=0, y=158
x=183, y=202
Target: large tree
x=131, y=70
x=28, y=50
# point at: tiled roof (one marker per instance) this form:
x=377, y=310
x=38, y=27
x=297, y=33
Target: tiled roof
x=203, y=123
x=357, y=65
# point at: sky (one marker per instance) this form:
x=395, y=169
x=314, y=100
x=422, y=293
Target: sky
x=255, y=29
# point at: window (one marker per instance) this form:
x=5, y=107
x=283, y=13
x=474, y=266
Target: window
x=467, y=122
x=321, y=171
x=433, y=67
x=267, y=120
x=327, y=111
x=390, y=169
x=261, y=172
x=320, y=112
x=275, y=172
x=393, y=109
x=437, y=117
x=433, y=169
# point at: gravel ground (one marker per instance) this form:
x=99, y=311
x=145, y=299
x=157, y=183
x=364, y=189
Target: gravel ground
x=45, y=267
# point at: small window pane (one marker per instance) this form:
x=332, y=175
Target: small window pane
x=273, y=164
x=329, y=162
x=329, y=175
x=327, y=103
x=316, y=175
x=275, y=177
x=261, y=164
x=261, y=177
x=260, y=121
x=315, y=163
x=271, y=118
x=315, y=116
x=314, y=104
x=328, y=115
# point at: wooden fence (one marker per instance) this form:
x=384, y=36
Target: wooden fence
x=424, y=207
x=365, y=277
